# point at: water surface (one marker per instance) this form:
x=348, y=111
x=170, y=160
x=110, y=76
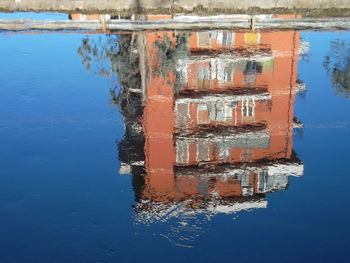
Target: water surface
x=174, y=146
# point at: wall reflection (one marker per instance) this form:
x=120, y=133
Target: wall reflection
x=208, y=122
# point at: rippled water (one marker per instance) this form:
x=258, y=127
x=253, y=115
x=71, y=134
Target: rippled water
x=175, y=146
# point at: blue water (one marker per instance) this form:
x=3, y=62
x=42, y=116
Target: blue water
x=62, y=198
x=33, y=15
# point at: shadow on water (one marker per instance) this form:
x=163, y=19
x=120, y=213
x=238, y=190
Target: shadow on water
x=208, y=120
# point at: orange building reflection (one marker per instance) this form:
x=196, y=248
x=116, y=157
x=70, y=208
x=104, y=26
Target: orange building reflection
x=217, y=121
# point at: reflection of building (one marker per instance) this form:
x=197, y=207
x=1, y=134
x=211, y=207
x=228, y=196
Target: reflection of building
x=86, y=17
x=217, y=121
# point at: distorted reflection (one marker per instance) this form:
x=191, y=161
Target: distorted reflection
x=337, y=62
x=208, y=122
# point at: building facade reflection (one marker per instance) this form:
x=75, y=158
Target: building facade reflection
x=219, y=124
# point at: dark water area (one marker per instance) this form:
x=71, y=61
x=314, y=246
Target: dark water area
x=175, y=146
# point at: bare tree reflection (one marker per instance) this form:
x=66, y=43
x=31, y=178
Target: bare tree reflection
x=337, y=62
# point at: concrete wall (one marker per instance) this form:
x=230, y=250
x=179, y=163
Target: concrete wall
x=159, y=6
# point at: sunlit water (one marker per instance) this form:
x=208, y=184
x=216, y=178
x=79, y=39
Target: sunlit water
x=175, y=147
